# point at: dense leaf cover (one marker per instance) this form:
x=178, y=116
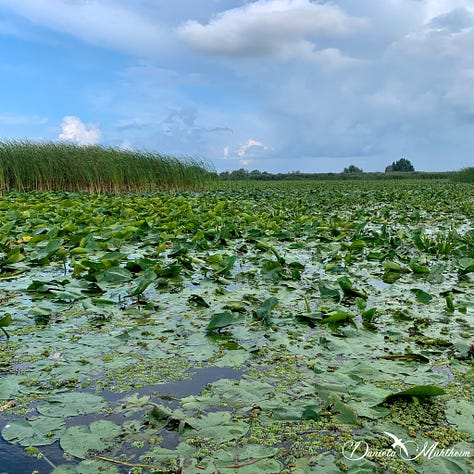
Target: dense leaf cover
x=341, y=311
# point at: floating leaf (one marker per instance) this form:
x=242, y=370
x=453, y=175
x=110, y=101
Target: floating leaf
x=337, y=317
x=421, y=295
x=223, y=320
x=198, y=301
x=348, y=290
x=328, y=292
x=419, y=269
x=406, y=357
x=4, y=322
x=41, y=431
x=262, y=313
x=114, y=275
x=344, y=413
x=420, y=391
x=79, y=440
x=71, y=404
x=466, y=265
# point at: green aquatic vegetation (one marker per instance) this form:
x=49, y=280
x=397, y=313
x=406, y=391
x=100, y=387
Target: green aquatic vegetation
x=4, y=322
x=43, y=166
x=323, y=306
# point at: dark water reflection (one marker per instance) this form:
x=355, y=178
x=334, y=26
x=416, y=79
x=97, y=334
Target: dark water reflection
x=14, y=460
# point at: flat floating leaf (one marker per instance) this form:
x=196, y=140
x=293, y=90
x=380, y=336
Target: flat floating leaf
x=114, y=276
x=78, y=440
x=421, y=295
x=42, y=431
x=71, y=404
x=419, y=391
x=223, y=320
x=327, y=292
x=406, y=357
x=344, y=413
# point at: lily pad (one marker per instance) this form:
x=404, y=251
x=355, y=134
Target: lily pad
x=79, y=440
x=41, y=431
x=71, y=404
x=420, y=391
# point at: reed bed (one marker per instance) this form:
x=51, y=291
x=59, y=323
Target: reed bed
x=45, y=166
x=466, y=175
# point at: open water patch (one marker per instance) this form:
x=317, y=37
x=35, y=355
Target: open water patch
x=14, y=459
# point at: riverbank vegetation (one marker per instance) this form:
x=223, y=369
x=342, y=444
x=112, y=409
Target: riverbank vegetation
x=46, y=166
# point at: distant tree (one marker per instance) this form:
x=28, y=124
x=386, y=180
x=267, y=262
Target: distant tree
x=401, y=165
x=241, y=173
x=352, y=169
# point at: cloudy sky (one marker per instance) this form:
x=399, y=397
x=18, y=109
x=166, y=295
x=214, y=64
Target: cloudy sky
x=275, y=85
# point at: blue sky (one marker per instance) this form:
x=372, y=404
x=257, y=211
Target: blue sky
x=275, y=85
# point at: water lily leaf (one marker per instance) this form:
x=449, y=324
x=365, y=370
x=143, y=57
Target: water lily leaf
x=272, y=270
x=262, y=313
x=344, y=413
x=88, y=466
x=198, y=301
x=12, y=257
x=461, y=414
x=41, y=431
x=466, y=265
x=421, y=295
x=328, y=292
x=43, y=253
x=5, y=320
x=419, y=269
x=79, y=440
x=406, y=357
x=369, y=315
x=248, y=459
x=219, y=425
x=223, y=320
x=9, y=386
x=337, y=317
x=143, y=282
x=114, y=275
x=419, y=391
x=348, y=290
x=71, y=404
x=171, y=419
x=311, y=412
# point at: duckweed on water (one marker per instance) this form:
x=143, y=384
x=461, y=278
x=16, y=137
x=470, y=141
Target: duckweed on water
x=345, y=308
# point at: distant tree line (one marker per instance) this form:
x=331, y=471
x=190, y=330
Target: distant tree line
x=402, y=164
x=398, y=169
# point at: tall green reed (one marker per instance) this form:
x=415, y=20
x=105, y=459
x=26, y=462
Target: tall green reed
x=466, y=175
x=46, y=166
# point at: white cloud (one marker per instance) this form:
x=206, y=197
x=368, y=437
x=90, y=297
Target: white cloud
x=269, y=28
x=104, y=23
x=73, y=129
x=249, y=144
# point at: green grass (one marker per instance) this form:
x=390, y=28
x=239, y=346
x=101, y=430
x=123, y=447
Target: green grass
x=28, y=166
x=466, y=175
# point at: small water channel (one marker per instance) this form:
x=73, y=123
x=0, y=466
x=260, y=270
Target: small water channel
x=14, y=460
